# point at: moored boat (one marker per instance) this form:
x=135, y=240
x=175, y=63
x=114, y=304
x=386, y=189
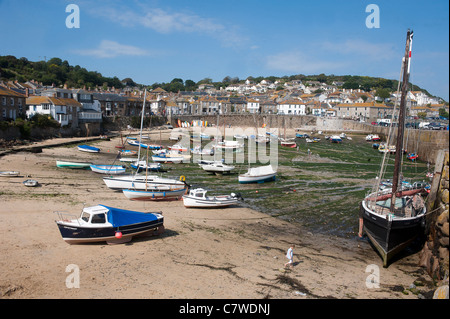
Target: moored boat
x=217, y=167
x=258, y=175
x=153, y=194
x=101, y=223
x=142, y=182
x=9, y=173
x=88, y=148
x=392, y=218
x=108, y=169
x=197, y=198
x=72, y=164
x=30, y=183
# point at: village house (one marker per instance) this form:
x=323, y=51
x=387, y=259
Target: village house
x=63, y=110
x=253, y=106
x=111, y=104
x=12, y=104
x=295, y=107
x=367, y=112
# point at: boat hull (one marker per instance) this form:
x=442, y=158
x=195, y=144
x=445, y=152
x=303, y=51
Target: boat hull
x=243, y=179
x=140, y=183
x=390, y=235
x=79, y=235
x=88, y=149
x=209, y=202
x=142, y=195
x=75, y=165
x=108, y=169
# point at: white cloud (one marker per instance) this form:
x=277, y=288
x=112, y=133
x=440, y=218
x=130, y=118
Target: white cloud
x=165, y=22
x=111, y=49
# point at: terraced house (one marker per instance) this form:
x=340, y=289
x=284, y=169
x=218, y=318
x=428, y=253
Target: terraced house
x=12, y=104
x=63, y=110
x=363, y=111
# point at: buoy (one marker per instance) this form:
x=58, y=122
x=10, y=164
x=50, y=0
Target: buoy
x=118, y=234
x=256, y=192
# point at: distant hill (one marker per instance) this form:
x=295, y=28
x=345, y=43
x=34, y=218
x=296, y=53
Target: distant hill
x=58, y=72
x=54, y=71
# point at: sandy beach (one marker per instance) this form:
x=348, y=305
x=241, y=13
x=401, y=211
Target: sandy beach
x=231, y=253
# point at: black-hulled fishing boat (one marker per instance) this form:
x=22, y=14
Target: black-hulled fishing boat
x=393, y=218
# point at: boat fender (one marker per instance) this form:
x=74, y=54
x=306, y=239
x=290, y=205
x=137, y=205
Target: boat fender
x=182, y=178
x=118, y=234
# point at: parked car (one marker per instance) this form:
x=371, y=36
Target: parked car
x=435, y=126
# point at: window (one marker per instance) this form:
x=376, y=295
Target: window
x=11, y=101
x=3, y=100
x=98, y=219
x=85, y=216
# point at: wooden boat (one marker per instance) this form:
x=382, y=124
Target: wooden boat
x=393, y=218
x=101, y=223
x=197, y=198
x=73, y=164
x=9, y=173
x=30, y=183
x=108, y=169
x=88, y=148
x=153, y=194
x=258, y=175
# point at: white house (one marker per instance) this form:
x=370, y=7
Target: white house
x=296, y=107
x=253, y=106
x=63, y=110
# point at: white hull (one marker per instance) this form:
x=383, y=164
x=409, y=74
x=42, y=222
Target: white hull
x=209, y=202
x=217, y=168
x=258, y=175
x=108, y=169
x=153, y=194
x=141, y=182
x=255, y=179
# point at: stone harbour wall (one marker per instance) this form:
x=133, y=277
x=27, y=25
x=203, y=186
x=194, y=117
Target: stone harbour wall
x=434, y=256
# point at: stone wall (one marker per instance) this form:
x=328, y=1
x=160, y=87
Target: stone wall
x=434, y=256
x=424, y=142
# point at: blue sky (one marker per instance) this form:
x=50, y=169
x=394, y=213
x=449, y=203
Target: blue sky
x=157, y=41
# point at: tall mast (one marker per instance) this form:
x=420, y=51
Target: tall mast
x=401, y=117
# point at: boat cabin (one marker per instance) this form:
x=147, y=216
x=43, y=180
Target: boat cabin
x=198, y=193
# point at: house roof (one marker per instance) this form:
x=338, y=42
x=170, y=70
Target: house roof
x=37, y=100
x=9, y=92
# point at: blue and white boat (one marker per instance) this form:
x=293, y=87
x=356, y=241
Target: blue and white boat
x=113, y=225
x=144, y=165
x=108, y=169
x=88, y=148
x=335, y=139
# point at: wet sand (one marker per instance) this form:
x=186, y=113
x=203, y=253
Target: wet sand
x=230, y=253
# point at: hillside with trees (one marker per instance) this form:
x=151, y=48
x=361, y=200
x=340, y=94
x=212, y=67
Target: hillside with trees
x=59, y=72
